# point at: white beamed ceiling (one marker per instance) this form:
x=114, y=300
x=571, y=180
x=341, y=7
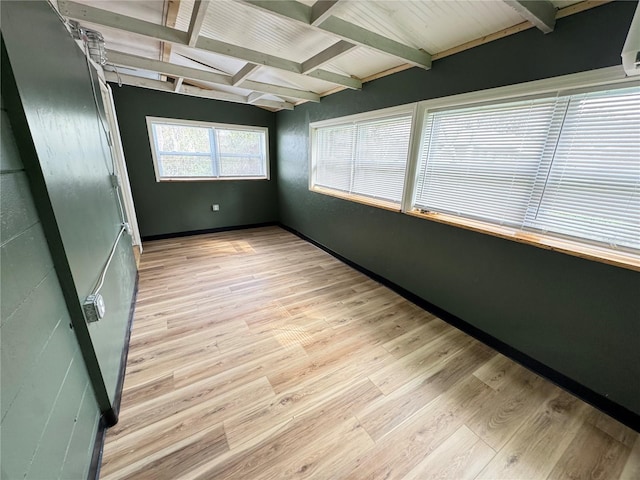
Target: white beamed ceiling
x=432, y=26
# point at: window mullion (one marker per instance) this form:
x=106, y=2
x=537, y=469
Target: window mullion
x=215, y=154
x=354, y=150
x=413, y=158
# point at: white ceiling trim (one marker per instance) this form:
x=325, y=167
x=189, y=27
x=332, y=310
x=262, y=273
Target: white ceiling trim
x=193, y=91
x=99, y=16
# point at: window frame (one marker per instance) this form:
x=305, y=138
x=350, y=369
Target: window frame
x=150, y=120
x=571, y=84
x=397, y=111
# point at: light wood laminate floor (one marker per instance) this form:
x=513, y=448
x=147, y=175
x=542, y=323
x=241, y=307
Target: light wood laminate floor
x=255, y=355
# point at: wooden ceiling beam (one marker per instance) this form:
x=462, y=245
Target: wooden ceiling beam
x=192, y=91
x=347, y=31
x=134, y=61
x=541, y=13
x=106, y=18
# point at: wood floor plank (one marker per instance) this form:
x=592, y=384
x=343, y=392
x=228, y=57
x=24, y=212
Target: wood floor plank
x=310, y=428
x=519, y=400
x=396, y=454
x=539, y=444
x=256, y=355
x=461, y=457
x=592, y=454
x=631, y=469
x=386, y=414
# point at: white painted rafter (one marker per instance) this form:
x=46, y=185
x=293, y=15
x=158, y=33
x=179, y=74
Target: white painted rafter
x=321, y=10
x=244, y=72
x=327, y=55
x=197, y=19
x=178, y=84
x=349, y=32
x=541, y=13
x=99, y=16
x=254, y=97
x=134, y=61
x=193, y=91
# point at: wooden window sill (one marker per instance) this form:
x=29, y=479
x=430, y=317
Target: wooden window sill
x=372, y=202
x=594, y=253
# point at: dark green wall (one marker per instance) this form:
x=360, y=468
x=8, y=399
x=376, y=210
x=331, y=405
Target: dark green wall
x=49, y=413
x=170, y=207
x=578, y=317
x=47, y=89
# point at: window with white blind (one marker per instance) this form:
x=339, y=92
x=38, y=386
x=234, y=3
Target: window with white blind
x=184, y=150
x=362, y=157
x=564, y=164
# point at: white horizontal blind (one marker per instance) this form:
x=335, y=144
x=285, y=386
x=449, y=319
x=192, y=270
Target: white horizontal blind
x=381, y=158
x=567, y=165
x=366, y=157
x=482, y=162
x=334, y=157
x=592, y=190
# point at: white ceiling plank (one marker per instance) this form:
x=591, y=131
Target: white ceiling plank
x=197, y=19
x=333, y=52
x=541, y=13
x=244, y=72
x=178, y=84
x=345, y=30
x=133, y=25
x=191, y=91
x=321, y=10
x=127, y=60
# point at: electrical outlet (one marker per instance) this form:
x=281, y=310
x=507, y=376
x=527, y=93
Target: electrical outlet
x=215, y=207
x=94, y=308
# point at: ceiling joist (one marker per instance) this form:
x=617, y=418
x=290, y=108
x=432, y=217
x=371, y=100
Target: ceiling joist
x=134, y=61
x=321, y=10
x=334, y=51
x=541, y=13
x=243, y=73
x=293, y=10
x=193, y=91
x=99, y=16
x=197, y=19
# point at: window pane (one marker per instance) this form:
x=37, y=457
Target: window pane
x=381, y=158
x=482, y=162
x=334, y=157
x=367, y=157
x=242, y=153
x=185, y=166
x=593, y=187
x=177, y=138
